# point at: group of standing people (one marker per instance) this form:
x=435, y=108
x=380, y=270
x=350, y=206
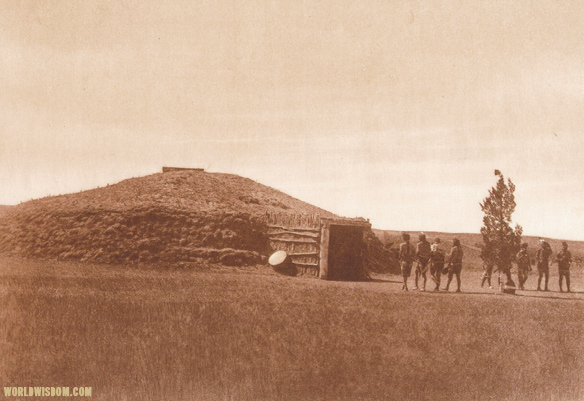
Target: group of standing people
x=543, y=261
x=433, y=258
x=430, y=257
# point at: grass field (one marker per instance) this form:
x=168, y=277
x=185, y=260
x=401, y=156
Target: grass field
x=226, y=334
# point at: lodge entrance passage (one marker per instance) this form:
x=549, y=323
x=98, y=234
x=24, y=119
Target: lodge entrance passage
x=325, y=247
x=345, y=253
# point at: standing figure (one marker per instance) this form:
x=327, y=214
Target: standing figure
x=487, y=274
x=423, y=251
x=523, y=265
x=505, y=265
x=406, y=258
x=436, y=262
x=454, y=264
x=543, y=266
x=564, y=260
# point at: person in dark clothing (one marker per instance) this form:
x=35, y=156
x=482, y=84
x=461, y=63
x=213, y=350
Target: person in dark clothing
x=543, y=267
x=406, y=258
x=436, y=263
x=454, y=264
x=564, y=260
x=523, y=265
x=505, y=265
x=423, y=251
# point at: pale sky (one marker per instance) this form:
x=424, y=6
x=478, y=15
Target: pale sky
x=398, y=111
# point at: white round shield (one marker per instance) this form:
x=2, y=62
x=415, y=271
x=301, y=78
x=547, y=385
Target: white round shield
x=277, y=258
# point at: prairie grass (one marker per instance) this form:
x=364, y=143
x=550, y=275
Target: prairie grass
x=226, y=334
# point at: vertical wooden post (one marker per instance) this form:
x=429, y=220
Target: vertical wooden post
x=363, y=244
x=324, y=249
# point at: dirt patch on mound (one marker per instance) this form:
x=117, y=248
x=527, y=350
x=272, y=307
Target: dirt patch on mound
x=4, y=209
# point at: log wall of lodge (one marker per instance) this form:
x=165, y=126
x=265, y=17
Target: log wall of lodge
x=299, y=236
x=307, y=238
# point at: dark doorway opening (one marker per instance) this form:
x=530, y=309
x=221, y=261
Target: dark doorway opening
x=345, y=261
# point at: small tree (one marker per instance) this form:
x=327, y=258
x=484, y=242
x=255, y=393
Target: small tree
x=500, y=242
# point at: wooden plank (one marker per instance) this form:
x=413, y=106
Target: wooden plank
x=299, y=241
x=324, y=248
x=305, y=264
x=314, y=229
x=346, y=221
x=312, y=235
x=303, y=254
x=169, y=169
x=293, y=230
